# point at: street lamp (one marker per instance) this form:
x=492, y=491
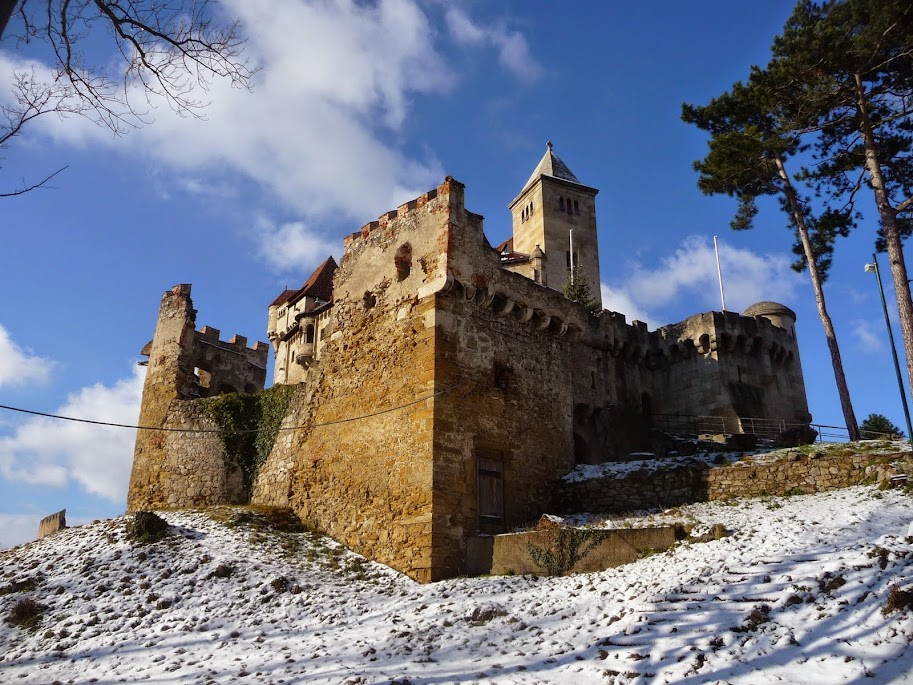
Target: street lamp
x=873, y=268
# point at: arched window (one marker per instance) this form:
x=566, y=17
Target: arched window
x=309, y=333
x=576, y=207
x=560, y=204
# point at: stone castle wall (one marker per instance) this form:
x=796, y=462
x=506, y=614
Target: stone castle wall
x=698, y=482
x=193, y=471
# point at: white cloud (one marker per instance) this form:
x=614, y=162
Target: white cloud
x=867, y=337
x=18, y=528
x=689, y=276
x=18, y=365
x=293, y=245
x=618, y=300
x=321, y=128
x=52, y=452
x=514, y=54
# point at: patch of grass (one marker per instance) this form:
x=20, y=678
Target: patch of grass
x=757, y=616
x=25, y=613
x=828, y=583
x=24, y=585
x=881, y=554
x=898, y=600
x=259, y=518
x=147, y=527
x=223, y=571
x=280, y=584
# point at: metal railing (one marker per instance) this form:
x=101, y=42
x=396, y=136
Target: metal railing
x=680, y=424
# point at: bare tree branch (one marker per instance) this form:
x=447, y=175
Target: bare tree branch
x=172, y=51
x=41, y=184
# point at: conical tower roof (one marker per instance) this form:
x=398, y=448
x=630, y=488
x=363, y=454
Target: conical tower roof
x=550, y=165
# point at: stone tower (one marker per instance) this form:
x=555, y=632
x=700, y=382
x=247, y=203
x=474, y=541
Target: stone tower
x=553, y=210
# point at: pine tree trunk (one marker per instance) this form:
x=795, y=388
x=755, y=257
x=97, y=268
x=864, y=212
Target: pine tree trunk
x=888, y=216
x=7, y=7
x=836, y=361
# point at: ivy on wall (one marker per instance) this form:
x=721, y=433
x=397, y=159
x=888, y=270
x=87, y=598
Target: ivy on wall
x=248, y=426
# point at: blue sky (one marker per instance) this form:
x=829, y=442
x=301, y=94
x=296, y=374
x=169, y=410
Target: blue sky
x=358, y=108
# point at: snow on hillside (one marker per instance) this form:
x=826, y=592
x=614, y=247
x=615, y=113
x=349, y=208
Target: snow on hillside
x=793, y=595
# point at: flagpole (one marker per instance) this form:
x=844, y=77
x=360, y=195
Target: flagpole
x=719, y=272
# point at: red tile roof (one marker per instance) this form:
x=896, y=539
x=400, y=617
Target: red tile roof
x=283, y=298
x=320, y=283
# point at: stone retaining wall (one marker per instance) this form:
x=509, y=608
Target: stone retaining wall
x=697, y=481
x=597, y=549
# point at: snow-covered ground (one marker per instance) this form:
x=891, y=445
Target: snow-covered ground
x=762, y=455
x=793, y=595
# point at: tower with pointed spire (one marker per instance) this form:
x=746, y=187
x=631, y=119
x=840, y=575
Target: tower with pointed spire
x=553, y=212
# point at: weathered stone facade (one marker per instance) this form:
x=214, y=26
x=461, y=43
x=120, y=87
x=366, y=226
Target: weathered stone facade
x=442, y=390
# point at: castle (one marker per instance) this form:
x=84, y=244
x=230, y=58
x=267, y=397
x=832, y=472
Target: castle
x=441, y=386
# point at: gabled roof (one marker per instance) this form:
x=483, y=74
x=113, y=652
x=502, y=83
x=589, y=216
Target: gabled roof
x=508, y=255
x=283, y=298
x=318, y=286
x=320, y=283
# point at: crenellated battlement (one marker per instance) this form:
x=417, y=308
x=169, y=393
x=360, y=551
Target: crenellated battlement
x=450, y=188
x=255, y=354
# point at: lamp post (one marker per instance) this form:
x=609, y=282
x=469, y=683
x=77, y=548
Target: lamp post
x=870, y=268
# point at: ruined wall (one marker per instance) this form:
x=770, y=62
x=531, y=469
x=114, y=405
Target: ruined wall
x=699, y=482
x=52, y=524
x=227, y=366
x=169, y=376
x=183, y=468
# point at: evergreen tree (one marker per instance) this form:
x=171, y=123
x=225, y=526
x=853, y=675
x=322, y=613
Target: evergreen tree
x=845, y=68
x=879, y=426
x=577, y=288
x=752, y=137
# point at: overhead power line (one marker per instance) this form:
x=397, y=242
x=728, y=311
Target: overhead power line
x=112, y=424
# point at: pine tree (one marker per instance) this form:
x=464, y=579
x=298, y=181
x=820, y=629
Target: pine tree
x=846, y=69
x=577, y=288
x=879, y=426
x=752, y=137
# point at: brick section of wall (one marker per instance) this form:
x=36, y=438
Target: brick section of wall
x=698, y=482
